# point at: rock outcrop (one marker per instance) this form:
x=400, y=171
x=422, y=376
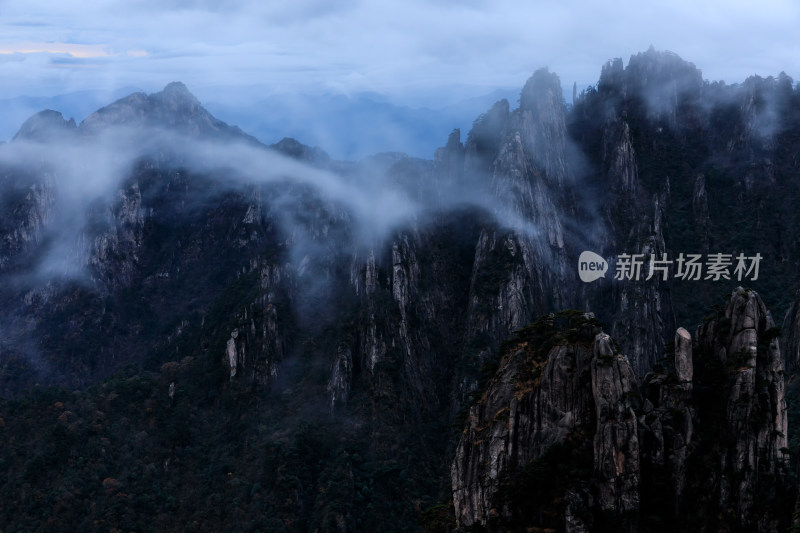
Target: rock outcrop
x=704, y=435
x=753, y=468
x=790, y=336
x=27, y=210
x=616, y=441
x=556, y=383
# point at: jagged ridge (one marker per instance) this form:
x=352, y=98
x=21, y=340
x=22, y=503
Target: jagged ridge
x=699, y=444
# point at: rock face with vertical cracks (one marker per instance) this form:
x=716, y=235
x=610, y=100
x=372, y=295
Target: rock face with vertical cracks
x=561, y=380
x=790, y=336
x=700, y=442
x=616, y=442
x=753, y=468
x=520, y=267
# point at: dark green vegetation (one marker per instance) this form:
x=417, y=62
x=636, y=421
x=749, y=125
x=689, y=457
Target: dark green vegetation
x=218, y=456
x=125, y=455
x=223, y=454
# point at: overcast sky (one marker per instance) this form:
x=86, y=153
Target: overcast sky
x=407, y=50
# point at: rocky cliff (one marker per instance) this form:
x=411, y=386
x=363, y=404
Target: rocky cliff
x=700, y=443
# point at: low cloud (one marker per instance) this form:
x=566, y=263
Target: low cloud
x=86, y=169
x=75, y=50
x=394, y=49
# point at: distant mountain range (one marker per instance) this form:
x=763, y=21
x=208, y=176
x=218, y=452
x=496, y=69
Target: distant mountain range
x=347, y=127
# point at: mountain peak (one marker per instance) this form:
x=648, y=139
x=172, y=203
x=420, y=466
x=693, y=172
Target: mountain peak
x=174, y=108
x=543, y=88
x=176, y=93
x=651, y=68
x=45, y=125
x=177, y=87
x=663, y=64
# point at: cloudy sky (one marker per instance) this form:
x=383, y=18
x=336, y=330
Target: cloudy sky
x=405, y=50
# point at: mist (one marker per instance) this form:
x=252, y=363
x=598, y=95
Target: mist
x=374, y=197
x=88, y=172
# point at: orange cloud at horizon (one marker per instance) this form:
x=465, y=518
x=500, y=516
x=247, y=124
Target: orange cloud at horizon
x=81, y=51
